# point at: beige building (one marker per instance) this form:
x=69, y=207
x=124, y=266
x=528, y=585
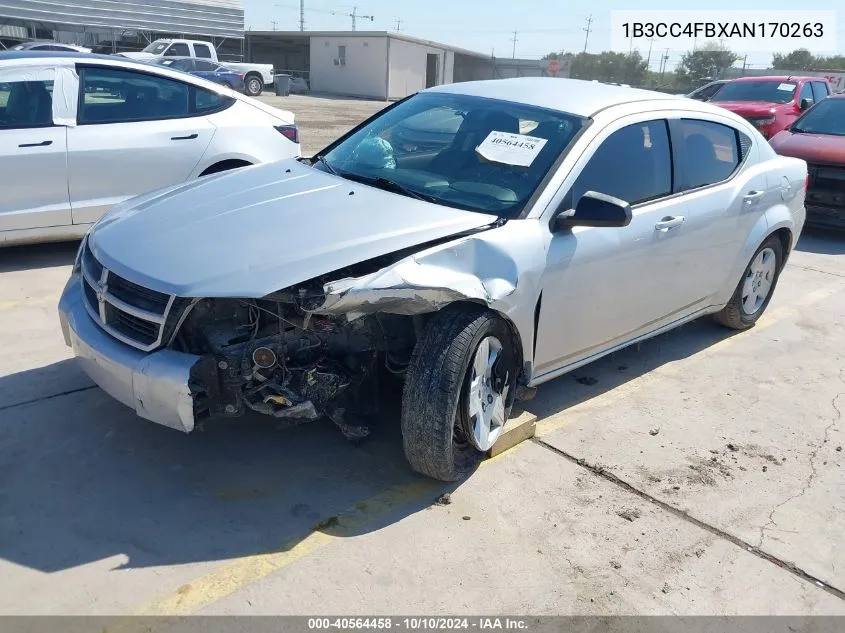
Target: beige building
x=372, y=64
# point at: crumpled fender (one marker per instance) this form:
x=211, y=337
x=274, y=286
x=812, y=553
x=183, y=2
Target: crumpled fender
x=470, y=269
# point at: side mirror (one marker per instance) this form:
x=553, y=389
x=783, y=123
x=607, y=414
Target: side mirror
x=805, y=104
x=594, y=209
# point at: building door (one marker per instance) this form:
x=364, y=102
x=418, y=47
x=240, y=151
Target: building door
x=432, y=63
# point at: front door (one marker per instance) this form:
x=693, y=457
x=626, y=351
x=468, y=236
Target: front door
x=136, y=133
x=33, y=155
x=603, y=286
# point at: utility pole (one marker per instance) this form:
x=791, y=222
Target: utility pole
x=648, y=59
x=301, y=15
x=273, y=22
x=587, y=30
x=514, y=40
x=744, y=60
x=398, y=24
x=663, y=59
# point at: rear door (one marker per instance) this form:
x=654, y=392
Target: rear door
x=137, y=132
x=33, y=153
x=724, y=190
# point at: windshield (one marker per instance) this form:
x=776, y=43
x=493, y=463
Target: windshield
x=828, y=117
x=156, y=48
x=467, y=152
x=768, y=91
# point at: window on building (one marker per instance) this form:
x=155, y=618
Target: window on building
x=341, y=55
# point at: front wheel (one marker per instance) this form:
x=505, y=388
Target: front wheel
x=755, y=289
x=254, y=85
x=458, y=391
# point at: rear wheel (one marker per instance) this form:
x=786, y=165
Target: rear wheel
x=755, y=289
x=253, y=85
x=458, y=391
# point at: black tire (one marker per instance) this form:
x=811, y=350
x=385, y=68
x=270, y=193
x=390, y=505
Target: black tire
x=436, y=384
x=253, y=85
x=734, y=315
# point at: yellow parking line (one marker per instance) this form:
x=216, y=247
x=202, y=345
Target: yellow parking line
x=241, y=572
x=559, y=420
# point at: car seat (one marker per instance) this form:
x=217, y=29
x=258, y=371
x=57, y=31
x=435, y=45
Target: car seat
x=700, y=153
x=477, y=126
x=30, y=104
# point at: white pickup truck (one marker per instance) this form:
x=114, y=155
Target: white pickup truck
x=256, y=76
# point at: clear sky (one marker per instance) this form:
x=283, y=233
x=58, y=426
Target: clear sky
x=487, y=25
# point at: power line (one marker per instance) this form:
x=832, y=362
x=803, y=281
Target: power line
x=587, y=30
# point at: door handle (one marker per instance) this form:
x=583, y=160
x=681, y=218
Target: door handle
x=669, y=222
x=753, y=195
x=190, y=137
x=41, y=144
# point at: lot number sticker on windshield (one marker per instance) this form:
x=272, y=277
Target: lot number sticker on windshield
x=511, y=149
x=787, y=87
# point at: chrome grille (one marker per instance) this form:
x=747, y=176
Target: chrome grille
x=138, y=316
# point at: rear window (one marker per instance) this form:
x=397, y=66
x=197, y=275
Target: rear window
x=768, y=91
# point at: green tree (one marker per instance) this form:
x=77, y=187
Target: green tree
x=708, y=62
x=611, y=67
x=800, y=59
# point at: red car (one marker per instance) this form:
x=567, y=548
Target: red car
x=818, y=137
x=771, y=103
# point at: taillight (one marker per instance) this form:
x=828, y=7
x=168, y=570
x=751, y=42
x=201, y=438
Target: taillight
x=290, y=132
x=807, y=183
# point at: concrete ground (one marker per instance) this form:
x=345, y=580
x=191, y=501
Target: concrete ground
x=322, y=119
x=698, y=473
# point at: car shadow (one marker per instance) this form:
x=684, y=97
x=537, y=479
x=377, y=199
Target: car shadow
x=35, y=256
x=821, y=241
x=83, y=479
x=630, y=363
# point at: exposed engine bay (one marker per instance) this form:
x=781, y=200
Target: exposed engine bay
x=276, y=357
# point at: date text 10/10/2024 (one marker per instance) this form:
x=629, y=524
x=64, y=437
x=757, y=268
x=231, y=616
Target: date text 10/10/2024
x=418, y=624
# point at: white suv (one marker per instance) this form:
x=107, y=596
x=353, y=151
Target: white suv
x=81, y=133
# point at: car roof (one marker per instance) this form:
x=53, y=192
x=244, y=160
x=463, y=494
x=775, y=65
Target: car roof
x=576, y=96
x=25, y=55
x=778, y=78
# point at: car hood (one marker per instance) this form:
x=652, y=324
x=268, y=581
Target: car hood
x=253, y=231
x=138, y=55
x=822, y=149
x=749, y=108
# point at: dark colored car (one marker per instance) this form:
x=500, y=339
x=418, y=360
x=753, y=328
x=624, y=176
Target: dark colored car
x=206, y=69
x=818, y=137
x=771, y=104
x=708, y=90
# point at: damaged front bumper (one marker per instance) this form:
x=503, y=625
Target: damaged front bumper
x=155, y=385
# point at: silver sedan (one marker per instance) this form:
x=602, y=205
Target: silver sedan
x=475, y=240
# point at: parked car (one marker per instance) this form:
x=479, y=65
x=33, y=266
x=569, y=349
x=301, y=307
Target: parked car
x=818, y=137
x=771, y=103
x=256, y=76
x=212, y=71
x=706, y=92
x=118, y=129
x=557, y=227
x=44, y=45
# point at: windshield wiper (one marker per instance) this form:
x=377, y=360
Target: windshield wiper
x=319, y=158
x=395, y=187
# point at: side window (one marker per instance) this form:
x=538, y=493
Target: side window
x=204, y=66
x=806, y=93
x=26, y=104
x=633, y=164
x=709, y=152
x=207, y=101
x=202, y=51
x=179, y=49
x=819, y=90
x=114, y=96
